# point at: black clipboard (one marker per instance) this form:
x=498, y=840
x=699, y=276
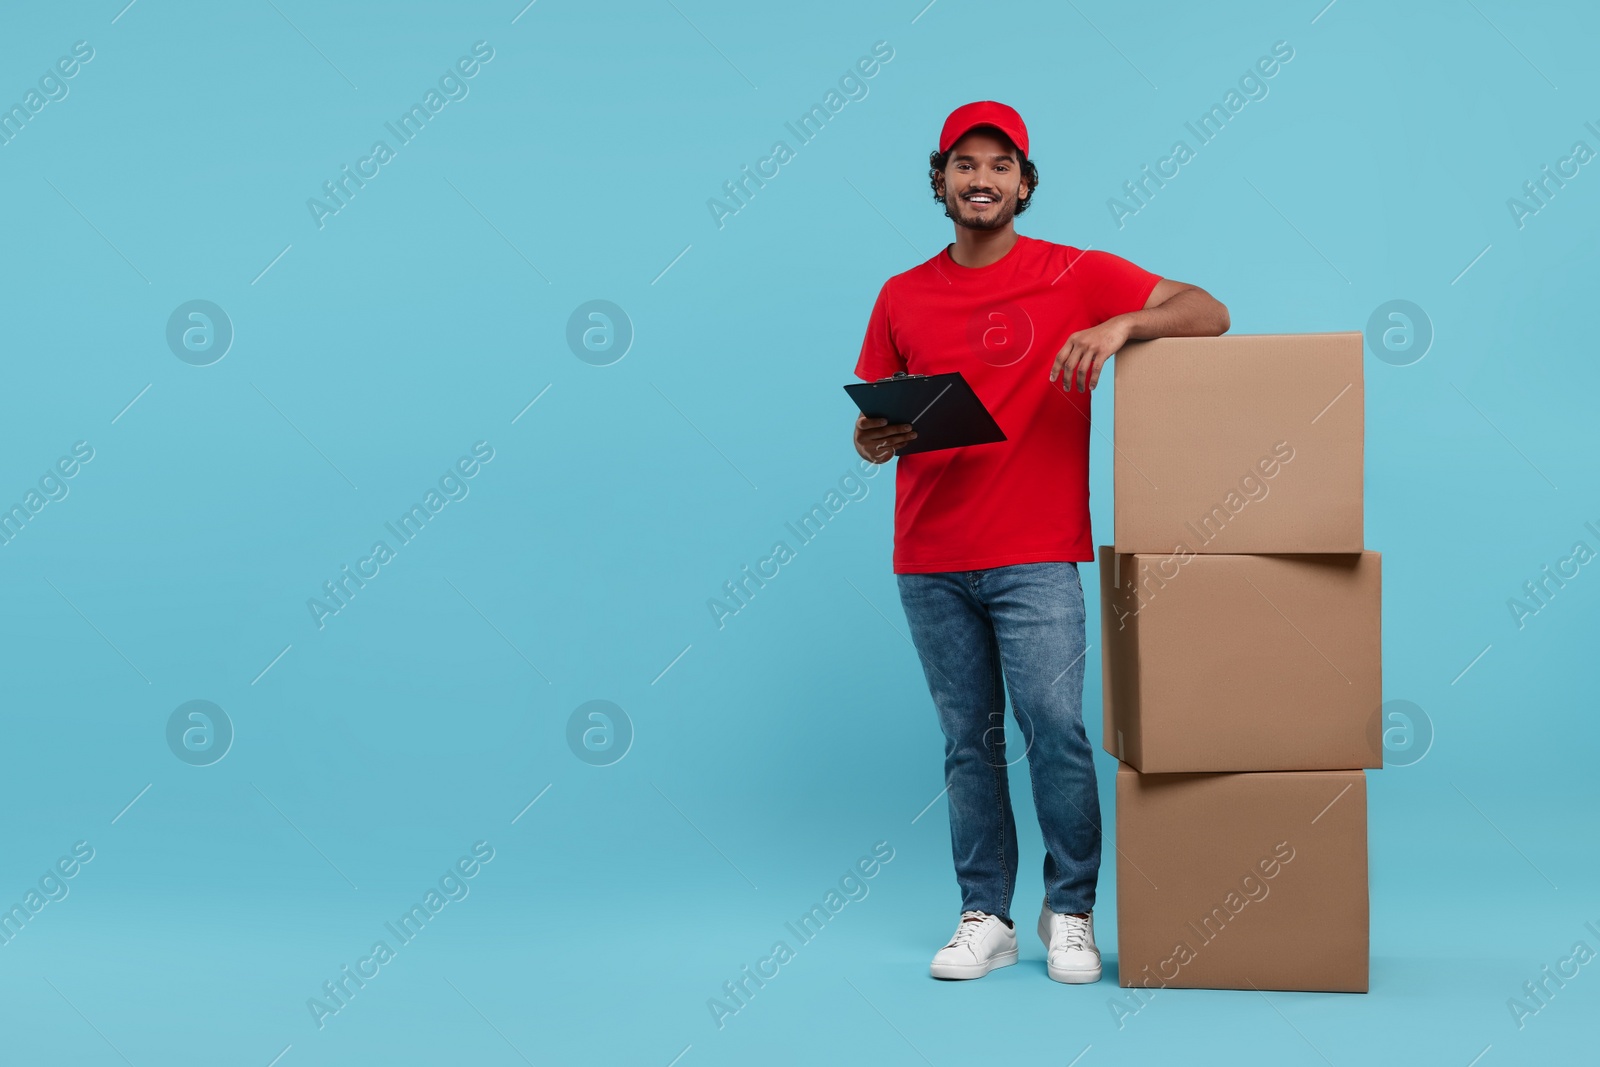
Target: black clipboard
x=942, y=408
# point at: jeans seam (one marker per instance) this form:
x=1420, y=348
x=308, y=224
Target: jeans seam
x=997, y=772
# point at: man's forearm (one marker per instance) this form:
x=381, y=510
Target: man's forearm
x=1190, y=313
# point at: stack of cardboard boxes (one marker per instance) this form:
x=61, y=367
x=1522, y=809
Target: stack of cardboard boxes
x=1242, y=663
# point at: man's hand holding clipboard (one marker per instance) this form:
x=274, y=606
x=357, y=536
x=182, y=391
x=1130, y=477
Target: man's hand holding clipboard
x=909, y=413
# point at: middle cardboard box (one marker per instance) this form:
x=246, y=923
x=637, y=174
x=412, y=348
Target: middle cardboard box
x=1242, y=663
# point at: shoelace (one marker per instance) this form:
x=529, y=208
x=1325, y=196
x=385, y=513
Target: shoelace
x=1072, y=931
x=968, y=930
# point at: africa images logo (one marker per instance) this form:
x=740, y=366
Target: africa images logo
x=452, y=88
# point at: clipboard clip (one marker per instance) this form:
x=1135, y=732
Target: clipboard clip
x=899, y=375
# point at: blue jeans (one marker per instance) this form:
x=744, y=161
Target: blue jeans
x=979, y=635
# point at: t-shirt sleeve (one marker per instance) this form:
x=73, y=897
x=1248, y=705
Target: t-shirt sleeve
x=879, y=358
x=1115, y=285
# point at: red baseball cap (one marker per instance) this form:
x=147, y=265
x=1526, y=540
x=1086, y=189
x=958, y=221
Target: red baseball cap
x=984, y=113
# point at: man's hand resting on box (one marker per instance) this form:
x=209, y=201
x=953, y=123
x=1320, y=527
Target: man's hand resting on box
x=1173, y=309
x=1086, y=351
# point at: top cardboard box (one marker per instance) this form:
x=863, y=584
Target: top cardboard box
x=1240, y=445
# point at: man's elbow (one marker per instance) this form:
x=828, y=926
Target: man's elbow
x=1219, y=316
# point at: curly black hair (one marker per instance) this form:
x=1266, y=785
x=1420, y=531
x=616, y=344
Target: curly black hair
x=1030, y=173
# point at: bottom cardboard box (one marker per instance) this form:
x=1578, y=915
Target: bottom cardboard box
x=1252, y=880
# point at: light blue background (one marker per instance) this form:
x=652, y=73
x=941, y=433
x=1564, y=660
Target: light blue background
x=775, y=751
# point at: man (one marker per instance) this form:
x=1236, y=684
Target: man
x=988, y=538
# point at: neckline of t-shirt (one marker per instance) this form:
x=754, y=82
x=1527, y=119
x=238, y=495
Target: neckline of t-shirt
x=951, y=260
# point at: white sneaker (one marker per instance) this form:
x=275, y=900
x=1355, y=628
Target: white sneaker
x=1073, y=957
x=981, y=943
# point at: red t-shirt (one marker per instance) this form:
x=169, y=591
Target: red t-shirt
x=1024, y=499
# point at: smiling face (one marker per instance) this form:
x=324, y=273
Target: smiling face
x=982, y=182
